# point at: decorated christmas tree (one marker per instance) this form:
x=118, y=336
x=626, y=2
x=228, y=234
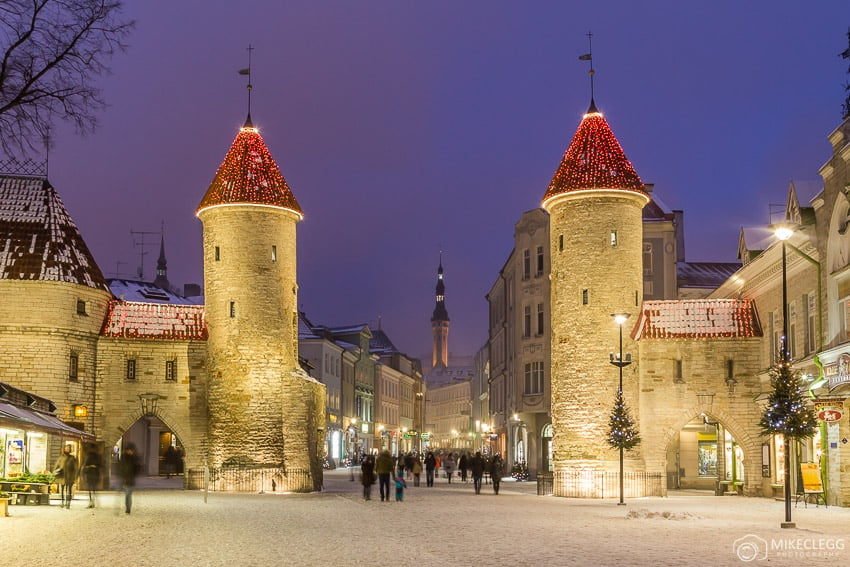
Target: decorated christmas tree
x=787, y=413
x=622, y=433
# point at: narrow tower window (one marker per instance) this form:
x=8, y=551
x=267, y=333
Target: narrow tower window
x=73, y=367
x=170, y=370
x=81, y=307
x=217, y=253
x=561, y=242
x=274, y=253
x=677, y=372
x=131, y=369
x=233, y=309
x=584, y=297
x=613, y=238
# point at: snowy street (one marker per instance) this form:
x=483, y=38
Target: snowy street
x=447, y=525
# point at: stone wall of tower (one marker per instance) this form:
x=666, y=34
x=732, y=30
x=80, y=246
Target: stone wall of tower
x=440, y=331
x=250, y=302
x=40, y=327
x=181, y=404
x=590, y=280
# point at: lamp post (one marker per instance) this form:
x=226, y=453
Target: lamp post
x=620, y=362
x=783, y=232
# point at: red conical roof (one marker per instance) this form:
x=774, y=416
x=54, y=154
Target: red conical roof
x=249, y=175
x=594, y=160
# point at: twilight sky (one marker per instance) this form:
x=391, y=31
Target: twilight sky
x=404, y=127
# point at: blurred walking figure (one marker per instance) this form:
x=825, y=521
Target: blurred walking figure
x=367, y=476
x=477, y=465
x=430, y=465
x=92, y=471
x=65, y=471
x=463, y=465
x=417, y=469
x=449, y=466
x=171, y=459
x=128, y=469
x=497, y=469
x=400, y=485
x=384, y=468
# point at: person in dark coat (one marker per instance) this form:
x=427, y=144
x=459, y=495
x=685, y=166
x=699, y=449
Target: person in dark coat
x=367, y=476
x=430, y=465
x=92, y=471
x=497, y=469
x=476, y=464
x=65, y=472
x=384, y=468
x=128, y=470
x=463, y=465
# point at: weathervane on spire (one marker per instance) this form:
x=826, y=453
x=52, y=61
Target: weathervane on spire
x=589, y=57
x=247, y=71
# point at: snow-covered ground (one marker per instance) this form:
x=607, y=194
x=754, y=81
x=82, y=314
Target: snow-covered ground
x=445, y=526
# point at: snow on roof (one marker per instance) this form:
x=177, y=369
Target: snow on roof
x=126, y=319
x=698, y=319
x=147, y=292
x=705, y=274
x=38, y=239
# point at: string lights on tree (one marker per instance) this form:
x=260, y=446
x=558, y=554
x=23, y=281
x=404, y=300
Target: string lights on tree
x=622, y=432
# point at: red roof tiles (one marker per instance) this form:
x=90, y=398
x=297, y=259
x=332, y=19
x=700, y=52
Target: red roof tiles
x=698, y=319
x=127, y=319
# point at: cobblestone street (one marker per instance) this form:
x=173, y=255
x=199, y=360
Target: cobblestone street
x=443, y=525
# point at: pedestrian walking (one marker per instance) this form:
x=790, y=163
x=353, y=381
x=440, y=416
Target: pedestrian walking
x=449, y=466
x=430, y=465
x=384, y=468
x=65, y=472
x=476, y=464
x=416, y=468
x=463, y=465
x=367, y=476
x=128, y=470
x=497, y=469
x=400, y=485
x=92, y=472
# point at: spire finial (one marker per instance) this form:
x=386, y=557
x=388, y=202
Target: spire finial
x=247, y=71
x=589, y=57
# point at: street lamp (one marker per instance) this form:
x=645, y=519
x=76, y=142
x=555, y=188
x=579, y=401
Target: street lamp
x=618, y=361
x=783, y=232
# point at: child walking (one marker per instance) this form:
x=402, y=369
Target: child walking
x=400, y=485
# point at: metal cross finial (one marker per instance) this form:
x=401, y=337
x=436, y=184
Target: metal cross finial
x=247, y=71
x=589, y=57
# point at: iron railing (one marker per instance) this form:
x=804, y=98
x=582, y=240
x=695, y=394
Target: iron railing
x=251, y=478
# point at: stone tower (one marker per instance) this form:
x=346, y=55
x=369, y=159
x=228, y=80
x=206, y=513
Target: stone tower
x=262, y=406
x=594, y=202
x=440, y=324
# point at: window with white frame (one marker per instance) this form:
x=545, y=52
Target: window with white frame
x=526, y=321
x=526, y=264
x=792, y=330
x=647, y=258
x=534, y=377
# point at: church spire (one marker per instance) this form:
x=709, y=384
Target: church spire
x=440, y=322
x=161, y=279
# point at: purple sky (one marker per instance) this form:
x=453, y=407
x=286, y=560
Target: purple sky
x=403, y=127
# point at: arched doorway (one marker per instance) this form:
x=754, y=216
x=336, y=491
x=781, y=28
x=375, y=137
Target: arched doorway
x=161, y=453
x=704, y=455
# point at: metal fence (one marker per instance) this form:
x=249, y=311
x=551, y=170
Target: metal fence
x=250, y=478
x=598, y=484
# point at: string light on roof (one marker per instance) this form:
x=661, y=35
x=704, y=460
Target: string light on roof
x=249, y=175
x=594, y=160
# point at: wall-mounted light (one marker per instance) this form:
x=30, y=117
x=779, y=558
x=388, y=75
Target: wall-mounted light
x=80, y=411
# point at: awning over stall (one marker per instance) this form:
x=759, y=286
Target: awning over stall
x=31, y=419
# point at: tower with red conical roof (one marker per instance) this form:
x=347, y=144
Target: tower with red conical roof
x=261, y=404
x=594, y=202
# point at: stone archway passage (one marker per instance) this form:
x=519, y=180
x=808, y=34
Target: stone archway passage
x=705, y=455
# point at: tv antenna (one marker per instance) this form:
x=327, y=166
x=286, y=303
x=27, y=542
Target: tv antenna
x=141, y=245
